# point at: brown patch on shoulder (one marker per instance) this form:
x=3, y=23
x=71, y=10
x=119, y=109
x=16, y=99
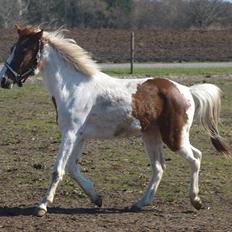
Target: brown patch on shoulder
x=158, y=102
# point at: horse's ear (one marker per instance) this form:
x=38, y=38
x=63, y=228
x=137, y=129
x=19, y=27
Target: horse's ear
x=39, y=34
x=18, y=28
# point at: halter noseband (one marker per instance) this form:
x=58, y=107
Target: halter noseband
x=20, y=78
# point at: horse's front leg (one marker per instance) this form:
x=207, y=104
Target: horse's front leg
x=66, y=149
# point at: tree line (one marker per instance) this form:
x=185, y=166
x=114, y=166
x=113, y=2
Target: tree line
x=162, y=14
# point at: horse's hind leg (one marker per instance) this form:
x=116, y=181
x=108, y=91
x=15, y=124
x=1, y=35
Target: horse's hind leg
x=84, y=183
x=154, y=148
x=193, y=156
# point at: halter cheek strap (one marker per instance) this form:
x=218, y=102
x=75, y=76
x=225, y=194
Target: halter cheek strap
x=20, y=78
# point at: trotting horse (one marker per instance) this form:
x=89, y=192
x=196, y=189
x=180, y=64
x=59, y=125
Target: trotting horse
x=91, y=104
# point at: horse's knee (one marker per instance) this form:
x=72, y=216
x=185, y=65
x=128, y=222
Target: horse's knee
x=73, y=168
x=57, y=175
x=197, y=153
x=159, y=169
x=187, y=153
x=162, y=162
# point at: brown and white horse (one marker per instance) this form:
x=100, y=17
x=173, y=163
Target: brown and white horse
x=91, y=104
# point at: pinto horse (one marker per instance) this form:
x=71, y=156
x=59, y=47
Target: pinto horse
x=91, y=104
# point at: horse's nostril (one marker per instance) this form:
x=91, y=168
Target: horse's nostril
x=3, y=81
x=6, y=83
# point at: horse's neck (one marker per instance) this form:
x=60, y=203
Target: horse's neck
x=60, y=78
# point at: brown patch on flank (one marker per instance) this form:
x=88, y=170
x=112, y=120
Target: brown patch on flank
x=54, y=103
x=158, y=102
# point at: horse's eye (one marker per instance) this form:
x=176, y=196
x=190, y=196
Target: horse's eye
x=24, y=50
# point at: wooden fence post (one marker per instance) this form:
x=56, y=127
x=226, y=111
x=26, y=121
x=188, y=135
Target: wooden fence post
x=132, y=52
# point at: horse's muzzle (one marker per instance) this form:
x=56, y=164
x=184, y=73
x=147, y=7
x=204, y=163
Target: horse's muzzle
x=6, y=83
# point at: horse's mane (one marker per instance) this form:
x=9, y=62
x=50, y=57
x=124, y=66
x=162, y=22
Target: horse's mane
x=71, y=52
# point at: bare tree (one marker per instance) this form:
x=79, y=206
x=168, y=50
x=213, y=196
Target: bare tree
x=175, y=14
x=84, y=13
x=8, y=12
x=205, y=12
x=23, y=6
x=12, y=12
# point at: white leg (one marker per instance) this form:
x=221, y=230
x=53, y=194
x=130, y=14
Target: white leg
x=85, y=184
x=154, y=148
x=58, y=171
x=197, y=153
x=193, y=156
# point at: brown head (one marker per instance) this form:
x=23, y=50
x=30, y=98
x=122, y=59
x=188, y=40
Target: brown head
x=24, y=57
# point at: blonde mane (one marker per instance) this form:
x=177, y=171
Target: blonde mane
x=72, y=53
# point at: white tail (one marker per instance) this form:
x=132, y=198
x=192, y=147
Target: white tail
x=208, y=104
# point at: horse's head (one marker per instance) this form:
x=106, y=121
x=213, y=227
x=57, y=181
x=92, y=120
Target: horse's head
x=24, y=58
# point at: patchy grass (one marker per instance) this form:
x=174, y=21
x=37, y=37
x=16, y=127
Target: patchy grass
x=28, y=122
x=170, y=71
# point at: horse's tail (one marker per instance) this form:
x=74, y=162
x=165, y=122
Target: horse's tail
x=207, y=98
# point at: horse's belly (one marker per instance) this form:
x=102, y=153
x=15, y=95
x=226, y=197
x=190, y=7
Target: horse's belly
x=110, y=126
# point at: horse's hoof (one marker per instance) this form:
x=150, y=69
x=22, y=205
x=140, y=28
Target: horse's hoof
x=197, y=204
x=98, y=201
x=40, y=212
x=135, y=208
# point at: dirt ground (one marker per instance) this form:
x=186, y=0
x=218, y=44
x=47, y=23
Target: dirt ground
x=29, y=140
x=79, y=215
x=109, y=45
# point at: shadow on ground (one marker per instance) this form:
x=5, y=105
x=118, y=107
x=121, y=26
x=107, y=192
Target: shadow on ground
x=29, y=211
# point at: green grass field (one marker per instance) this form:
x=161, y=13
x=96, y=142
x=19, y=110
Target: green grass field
x=170, y=71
